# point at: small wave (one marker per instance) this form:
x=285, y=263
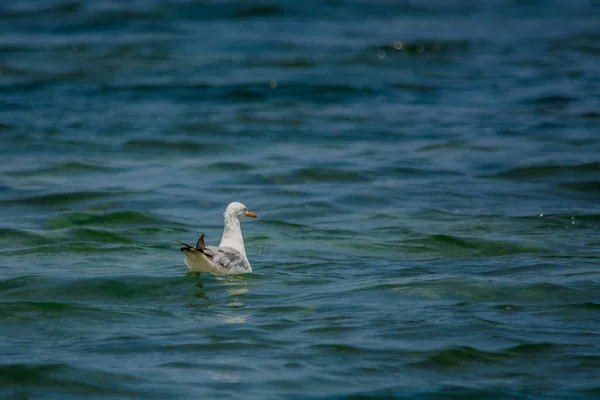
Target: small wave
x=546, y=291
x=259, y=11
x=589, y=114
x=460, y=356
x=162, y=146
x=416, y=87
x=66, y=378
x=248, y=92
x=589, y=217
x=15, y=283
x=170, y=86
x=50, y=8
x=69, y=247
x=455, y=144
x=583, y=306
x=22, y=237
x=40, y=310
x=442, y=50
x=544, y=170
x=497, y=292
x=317, y=175
x=284, y=309
x=531, y=348
x=289, y=62
x=29, y=79
x=69, y=168
x=592, y=187
x=232, y=346
x=112, y=219
x=472, y=247
x=415, y=172
x=84, y=232
x=340, y=348
x=103, y=236
x=511, y=307
x=30, y=289
x=427, y=46
x=319, y=330
x=551, y=100
x=29, y=373
x=230, y=167
x=65, y=198
x=453, y=240
x=284, y=224
x=181, y=364
x=559, y=220
x=315, y=92
x=466, y=356
x=584, y=42
x=362, y=200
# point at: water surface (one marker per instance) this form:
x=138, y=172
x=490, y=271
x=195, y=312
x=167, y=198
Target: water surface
x=426, y=176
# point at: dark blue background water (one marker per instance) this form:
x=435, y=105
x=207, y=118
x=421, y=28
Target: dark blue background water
x=426, y=175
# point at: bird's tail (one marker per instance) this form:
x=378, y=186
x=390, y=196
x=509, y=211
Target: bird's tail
x=186, y=247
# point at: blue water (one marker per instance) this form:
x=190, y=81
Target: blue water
x=426, y=176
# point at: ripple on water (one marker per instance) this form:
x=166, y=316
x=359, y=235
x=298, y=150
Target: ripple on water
x=46, y=310
x=62, y=378
x=230, y=167
x=259, y=11
x=150, y=145
x=111, y=219
x=591, y=187
x=313, y=176
x=462, y=356
x=542, y=171
x=143, y=288
x=68, y=168
x=452, y=245
x=64, y=199
x=22, y=237
x=488, y=290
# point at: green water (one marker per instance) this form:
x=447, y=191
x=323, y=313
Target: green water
x=426, y=177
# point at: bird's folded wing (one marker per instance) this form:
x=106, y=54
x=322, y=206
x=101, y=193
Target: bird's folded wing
x=200, y=247
x=228, y=257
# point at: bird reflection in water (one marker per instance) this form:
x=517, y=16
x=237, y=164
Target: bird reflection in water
x=235, y=285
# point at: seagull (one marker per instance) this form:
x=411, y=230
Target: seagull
x=230, y=257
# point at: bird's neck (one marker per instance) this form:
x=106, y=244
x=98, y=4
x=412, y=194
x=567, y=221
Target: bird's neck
x=232, y=235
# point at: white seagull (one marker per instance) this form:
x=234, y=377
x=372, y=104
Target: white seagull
x=230, y=257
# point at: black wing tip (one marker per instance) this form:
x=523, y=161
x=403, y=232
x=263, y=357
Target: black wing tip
x=200, y=245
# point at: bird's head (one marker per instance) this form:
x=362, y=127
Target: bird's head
x=239, y=211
